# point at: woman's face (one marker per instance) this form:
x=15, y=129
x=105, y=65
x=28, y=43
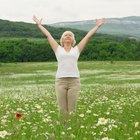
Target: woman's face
x=68, y=38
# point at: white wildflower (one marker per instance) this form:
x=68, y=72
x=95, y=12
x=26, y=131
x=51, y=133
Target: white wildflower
x=37, y=106
x=63, y=133
x=107, y=113
x=81, y=115
x=136, y=124
x=88, y=111
x=95, y=115
x=105, y=129
x=72, y=136
x=4, y=133
x=105, y=138
x=82, y=126
x=102, y=121
x=69, y=128
x=3, y=121
x=137, y=132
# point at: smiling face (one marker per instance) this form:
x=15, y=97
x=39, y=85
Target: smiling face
x=67, y=38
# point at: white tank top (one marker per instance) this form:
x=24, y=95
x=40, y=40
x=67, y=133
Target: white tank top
x=67, y=62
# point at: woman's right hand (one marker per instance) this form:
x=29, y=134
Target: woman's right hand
x=38, y=22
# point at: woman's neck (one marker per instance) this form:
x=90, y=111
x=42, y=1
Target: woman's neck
x=67, y=46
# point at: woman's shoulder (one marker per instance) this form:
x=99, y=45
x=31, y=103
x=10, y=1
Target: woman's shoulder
x=76, y=48
x=59, y=48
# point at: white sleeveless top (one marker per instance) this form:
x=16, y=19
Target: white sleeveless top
x=67, y=62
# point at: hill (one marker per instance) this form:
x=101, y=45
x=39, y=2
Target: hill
x=129, y=26
x=29, y=30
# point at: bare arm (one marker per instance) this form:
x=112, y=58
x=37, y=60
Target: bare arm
x=85, y=40
x=51, y=40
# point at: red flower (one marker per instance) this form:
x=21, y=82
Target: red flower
x=18, y=115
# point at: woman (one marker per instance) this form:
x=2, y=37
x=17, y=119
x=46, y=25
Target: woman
x=67, y=82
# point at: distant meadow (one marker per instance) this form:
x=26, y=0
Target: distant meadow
x=108, y=106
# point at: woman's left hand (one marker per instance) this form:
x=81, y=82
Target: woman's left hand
x=99, y=22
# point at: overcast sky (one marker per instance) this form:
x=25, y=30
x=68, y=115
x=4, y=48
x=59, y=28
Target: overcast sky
x=67, y=10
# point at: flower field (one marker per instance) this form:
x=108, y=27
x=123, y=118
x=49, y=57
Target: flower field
x=108, y=107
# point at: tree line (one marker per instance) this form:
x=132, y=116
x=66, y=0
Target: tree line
x=100, y=47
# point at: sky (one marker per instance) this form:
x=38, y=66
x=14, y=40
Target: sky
x=52, y=11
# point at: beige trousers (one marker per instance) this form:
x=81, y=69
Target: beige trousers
x=67, y=91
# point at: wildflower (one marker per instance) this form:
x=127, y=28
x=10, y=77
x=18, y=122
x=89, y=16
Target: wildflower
x=101, y=133
x=69, y=128
x=130, y=138
x=81, y=115
x=105, y=138
x=46, y=120
x=115, y=126
x=102, y=121
x=107, y=113
x=112, y=121
x=28, y=123
x=72, y=136
x=136, y=124
x=18, y=115
x=37, y=106
x=47, y=135
x=5, y=117
x=71, y=113
x=88, y=111
x=110, y=127
x=3, y=121
x=82, y=126
x=95, y=115
x=40, y=111
x=19, y=109
x=4, y=133
x=105, y=129
x=63, y=133
x=137, y=132
x=93, y=133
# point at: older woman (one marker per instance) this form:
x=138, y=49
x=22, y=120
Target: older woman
x=67, y=82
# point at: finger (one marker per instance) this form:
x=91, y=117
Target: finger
x=34, y=17
x=103, y=19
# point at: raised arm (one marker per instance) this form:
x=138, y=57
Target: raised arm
x=85, y=40
x=51, y=40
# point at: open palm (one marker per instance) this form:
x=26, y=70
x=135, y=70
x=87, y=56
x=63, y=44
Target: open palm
x=99, y=22
x=38, y=22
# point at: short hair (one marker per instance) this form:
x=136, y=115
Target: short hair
x=68, y=32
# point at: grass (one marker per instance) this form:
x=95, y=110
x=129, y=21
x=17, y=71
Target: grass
x=109, y=91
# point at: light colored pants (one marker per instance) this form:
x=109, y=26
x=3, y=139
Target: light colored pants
x=67, y=91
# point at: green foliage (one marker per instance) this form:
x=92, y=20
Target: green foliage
x=31, y=50
x=23, y=42
x=23, y=50
x=101, y=47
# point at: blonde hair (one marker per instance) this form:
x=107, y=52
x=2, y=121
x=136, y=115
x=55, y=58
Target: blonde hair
x=68, y=32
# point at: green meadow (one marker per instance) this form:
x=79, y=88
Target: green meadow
x=108, y=106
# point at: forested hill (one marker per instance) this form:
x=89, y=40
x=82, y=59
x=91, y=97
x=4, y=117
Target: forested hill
x=24, y=30
x=24, y=42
